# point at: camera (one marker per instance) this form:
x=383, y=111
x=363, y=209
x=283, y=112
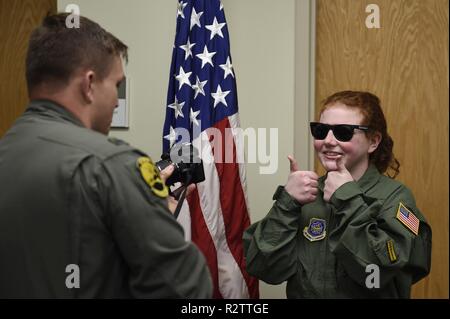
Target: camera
x=187, y=162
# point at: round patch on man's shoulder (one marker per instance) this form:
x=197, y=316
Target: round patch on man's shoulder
x=150, y=174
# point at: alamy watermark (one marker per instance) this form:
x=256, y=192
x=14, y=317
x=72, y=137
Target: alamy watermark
x=227, y=146
x=373, y=19
x=73, y=279
x=73, y=19
x=373, y=278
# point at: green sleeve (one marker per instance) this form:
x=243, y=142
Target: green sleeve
x=368, y=232
x=162, y=263
x=270, y=244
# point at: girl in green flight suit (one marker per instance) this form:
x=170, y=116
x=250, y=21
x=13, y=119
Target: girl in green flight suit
x=352, y=233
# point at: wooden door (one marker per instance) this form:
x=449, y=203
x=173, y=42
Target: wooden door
x=17, y=19
x=405, y=63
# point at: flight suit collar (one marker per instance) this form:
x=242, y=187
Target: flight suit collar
x=53, y=109
x=351, y=189
x=369, y=179
x=366, y=182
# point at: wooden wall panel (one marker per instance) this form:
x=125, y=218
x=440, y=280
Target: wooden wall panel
x=405, y=63
x=17, y=19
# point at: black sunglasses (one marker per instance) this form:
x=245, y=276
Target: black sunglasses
x=342, y=132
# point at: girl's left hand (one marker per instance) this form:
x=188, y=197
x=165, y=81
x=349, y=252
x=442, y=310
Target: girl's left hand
x=335, y=179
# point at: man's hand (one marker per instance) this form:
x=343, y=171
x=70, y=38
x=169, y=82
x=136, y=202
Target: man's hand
x=301, y=185
x=171, y=201
x=335, y=179
x=166, y=172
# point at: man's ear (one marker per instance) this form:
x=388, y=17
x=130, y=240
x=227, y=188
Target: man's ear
x=87, y=89
x=374, y=140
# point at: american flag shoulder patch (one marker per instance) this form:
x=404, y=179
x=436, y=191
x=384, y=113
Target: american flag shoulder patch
x=408, y=219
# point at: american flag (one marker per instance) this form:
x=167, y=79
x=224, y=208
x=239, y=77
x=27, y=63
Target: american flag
x=202, y=100
x=408, y=219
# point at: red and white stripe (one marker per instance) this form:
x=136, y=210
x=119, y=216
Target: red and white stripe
x=216, y=214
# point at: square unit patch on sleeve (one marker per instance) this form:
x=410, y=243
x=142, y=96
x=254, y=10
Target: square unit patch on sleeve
x=407, y=218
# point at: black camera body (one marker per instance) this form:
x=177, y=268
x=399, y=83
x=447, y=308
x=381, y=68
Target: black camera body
x=188, y=165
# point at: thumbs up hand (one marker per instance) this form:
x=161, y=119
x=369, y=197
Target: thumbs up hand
x=336, y=178
x=301, y=185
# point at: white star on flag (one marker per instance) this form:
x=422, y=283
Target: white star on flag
x=193, y=116
x=206, y=57
x=219, y=96
x=228, y=68
x=198, y=87
x=180, y=7
x=183, y=78
x=187, y=48
x=177, y=107
x=171, y=136
x=215, y=28
x=195, y=18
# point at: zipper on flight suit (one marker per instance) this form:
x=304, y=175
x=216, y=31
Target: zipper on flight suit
x=329, y=221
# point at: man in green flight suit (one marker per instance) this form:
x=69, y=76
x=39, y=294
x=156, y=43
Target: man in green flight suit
x=353, y=233
x=84, y=215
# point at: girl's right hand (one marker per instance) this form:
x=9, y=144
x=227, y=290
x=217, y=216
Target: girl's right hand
x=301, y=185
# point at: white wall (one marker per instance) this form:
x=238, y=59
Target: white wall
x=263, y=46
